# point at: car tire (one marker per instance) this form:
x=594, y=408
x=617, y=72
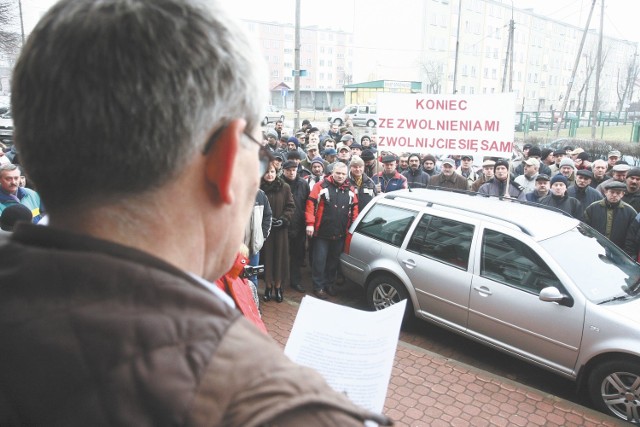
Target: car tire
x=614, y=388
x=371, y=123
x=282, y=118
x=338, y=121
x=265, y=121
x=385, y=291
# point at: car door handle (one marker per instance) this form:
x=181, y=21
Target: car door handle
x=482, y=290
x=409, y=263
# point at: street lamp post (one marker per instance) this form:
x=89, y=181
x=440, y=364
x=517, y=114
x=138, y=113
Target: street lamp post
x=21, y=21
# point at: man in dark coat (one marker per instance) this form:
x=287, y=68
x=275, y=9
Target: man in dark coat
x=611, y=216
x=582, y=189
x=448, y=178
x=632, y=195
x=297, y=237
x=542, y=189
x=501, y=184
x=559, y=199
x=416, y=177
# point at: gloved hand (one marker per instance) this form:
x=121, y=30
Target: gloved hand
x=276, y=223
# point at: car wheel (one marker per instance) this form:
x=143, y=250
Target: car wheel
x=338, y=121
x=385, y=291
x=265, y=121
x=371, y=123
x=614, y=388
x=282, y=118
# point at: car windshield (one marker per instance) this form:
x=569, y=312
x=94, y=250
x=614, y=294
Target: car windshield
x=598, y=267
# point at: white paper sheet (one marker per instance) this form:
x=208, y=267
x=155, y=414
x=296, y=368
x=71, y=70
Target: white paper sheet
x=352, y=349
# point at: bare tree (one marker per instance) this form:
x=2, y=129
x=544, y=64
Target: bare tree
x=589, y=67
x=433, y=73
x=625, y=83
x=9, y=40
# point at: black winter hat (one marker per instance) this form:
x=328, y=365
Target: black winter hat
x=535, y=151
x=367, y=155
x=501, y=162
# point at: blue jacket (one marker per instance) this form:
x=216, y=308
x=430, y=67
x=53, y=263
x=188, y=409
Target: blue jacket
x=586, y=196
x=416, y=179
x=396, y=182
x=27, y=197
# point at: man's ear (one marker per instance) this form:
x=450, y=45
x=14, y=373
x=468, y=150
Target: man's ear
x=220, y=163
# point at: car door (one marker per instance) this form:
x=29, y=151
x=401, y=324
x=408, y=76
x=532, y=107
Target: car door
x=436, y=259
x=360, y=116
x=505, y=309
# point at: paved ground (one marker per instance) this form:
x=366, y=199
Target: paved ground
x=427, y=389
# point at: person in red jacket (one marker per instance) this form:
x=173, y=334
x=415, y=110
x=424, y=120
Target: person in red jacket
x=331, y=208
x=234, y=284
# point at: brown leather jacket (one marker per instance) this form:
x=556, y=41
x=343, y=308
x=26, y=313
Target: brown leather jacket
x=95, y=333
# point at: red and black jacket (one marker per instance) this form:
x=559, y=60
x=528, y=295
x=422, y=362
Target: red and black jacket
x=331, y=208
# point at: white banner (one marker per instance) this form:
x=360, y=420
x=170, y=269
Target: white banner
x=479, y=125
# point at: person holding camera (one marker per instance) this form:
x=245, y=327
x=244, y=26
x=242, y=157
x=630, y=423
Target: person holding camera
x=275, y=252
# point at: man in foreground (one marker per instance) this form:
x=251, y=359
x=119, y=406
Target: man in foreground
x=109, y=315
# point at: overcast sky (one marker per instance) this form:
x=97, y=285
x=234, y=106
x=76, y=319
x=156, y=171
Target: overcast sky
x=621, y=16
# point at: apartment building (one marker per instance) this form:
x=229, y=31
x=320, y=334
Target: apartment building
x=325, y=55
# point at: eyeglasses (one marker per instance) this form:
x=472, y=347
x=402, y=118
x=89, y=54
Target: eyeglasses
x=265, y=156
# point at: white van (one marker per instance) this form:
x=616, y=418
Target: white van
x=360, y=115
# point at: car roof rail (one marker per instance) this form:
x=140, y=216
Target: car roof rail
x=411, y=195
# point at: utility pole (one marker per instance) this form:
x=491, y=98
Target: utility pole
x=21, y=21
x=508, y=60
x=296, y=73
x=575, y=69
x=455, y=66
x=596, y=100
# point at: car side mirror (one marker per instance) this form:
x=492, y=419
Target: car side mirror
x=552, y=294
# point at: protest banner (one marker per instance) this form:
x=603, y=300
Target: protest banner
x=479, y=125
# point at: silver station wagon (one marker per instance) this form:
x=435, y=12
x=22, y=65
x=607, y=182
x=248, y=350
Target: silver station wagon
x=529, y=281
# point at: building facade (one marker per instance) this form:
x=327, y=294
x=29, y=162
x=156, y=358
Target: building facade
x=325, y=60
x=421, y=46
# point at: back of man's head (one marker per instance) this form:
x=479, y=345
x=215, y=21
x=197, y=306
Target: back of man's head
x=13, y=214
x=131, y=89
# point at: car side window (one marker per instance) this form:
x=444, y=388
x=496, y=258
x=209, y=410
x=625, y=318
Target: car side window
x=442, y=239
x=362, y=110
x=351, y=110
x=386, y=223
x=512, y=262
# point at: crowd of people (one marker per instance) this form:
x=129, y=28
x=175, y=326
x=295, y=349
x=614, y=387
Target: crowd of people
x=603, y=194
x=138, y=123
x=310, y=204
x=126, y=309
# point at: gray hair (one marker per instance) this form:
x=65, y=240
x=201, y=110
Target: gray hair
x=339, y=165
x=111, y=98
x=8, y=167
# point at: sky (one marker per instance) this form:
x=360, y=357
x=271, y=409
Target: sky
x=621, y=19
